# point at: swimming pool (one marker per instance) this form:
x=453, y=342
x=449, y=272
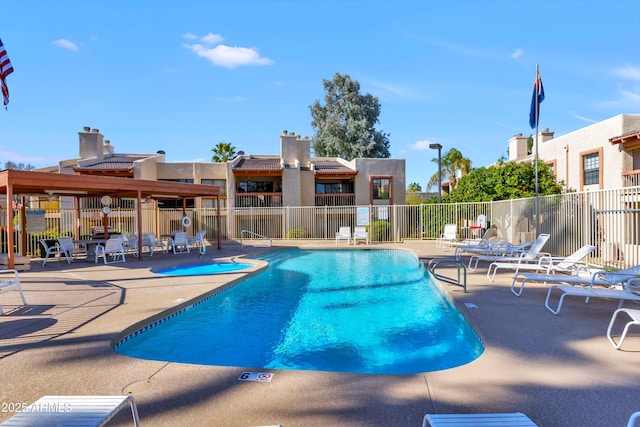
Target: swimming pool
x=209, y=268
x=359, y=311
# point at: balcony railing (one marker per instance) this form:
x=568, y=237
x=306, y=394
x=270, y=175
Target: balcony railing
x=346, y=199
x=256, y=200
x=631, y=178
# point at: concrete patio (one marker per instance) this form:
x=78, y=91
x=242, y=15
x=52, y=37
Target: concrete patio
x=559, y=370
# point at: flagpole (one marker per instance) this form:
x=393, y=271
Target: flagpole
x=537, y=209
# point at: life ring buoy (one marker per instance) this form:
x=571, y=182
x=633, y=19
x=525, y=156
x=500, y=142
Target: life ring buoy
x=186, y=221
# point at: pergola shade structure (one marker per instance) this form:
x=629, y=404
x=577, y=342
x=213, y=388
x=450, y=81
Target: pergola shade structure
x=30, y=183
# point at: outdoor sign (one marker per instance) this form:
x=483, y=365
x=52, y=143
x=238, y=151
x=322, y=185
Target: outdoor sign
x=35, y=221
x=362, y=216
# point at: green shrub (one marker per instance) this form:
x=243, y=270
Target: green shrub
x=380, y=230
x=297, y=233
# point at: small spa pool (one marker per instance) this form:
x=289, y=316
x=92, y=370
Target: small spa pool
x=358, y=311
x=204, y=269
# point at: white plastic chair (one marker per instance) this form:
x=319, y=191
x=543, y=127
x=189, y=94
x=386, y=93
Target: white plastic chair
x=70, y=249
x=344, y=233
x=197, y=241
x=9, y=280
x=52, y=250
x=448, y=237
x=112, y=249
x=179, y=242
x=360, y=233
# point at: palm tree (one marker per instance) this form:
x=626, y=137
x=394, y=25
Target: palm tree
x=451, y=163
x=223, y=152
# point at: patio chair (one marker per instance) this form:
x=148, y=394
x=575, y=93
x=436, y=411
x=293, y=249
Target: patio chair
x=360, y=233
x=585, y=276
x=515, y=419
x=546, y=263
x=9, y=281
x=71, y=249
x=129, y=243
x=344, y=233
x=448, y=236
x=630, y=292
x=150, y=241
x=112, y=249
x=487, y=246
x=73, y=411
x=179, y=242
x=54, y=250
x=197, y=241
x=634, y=314
x=633, y=418
x=530, y=255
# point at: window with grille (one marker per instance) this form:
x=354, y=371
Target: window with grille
x=591, y=163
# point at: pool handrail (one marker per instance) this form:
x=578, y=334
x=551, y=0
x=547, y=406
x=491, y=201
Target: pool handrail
x=449, y=262
x=251, y=233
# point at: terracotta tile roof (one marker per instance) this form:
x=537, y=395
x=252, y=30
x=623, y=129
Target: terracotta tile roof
x=115, y=162
x=330, y=167
x=258, y=164
x=629, y=136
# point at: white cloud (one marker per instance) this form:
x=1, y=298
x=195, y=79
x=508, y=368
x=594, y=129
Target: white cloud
x=629, y=73
x=579, y=117
x=66, y=44
x=393, y=89
x=421, y=145
x=516, y=54
x=220, y=55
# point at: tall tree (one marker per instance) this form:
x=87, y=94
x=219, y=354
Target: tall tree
x=18, y=166
x=452, y=163
x=503, y=182
x=414, y=187
x=223, y=152
x=344, y=126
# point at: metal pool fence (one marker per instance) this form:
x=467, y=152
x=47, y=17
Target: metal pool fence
x=608, y=219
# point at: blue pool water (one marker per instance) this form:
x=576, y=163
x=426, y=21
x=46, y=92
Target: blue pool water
x=198, y=269
x=360, y=311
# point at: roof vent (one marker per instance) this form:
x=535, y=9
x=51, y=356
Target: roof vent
x=284, y=132
x=87, y=129
x=95, y=131
x=161, y=152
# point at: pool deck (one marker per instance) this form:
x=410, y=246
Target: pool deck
x=559, y=370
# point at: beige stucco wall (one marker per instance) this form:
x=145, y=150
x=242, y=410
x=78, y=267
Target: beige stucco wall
x=395, y=168
x=566, y=151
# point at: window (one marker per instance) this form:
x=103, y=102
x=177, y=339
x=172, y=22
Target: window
x=591, y=168
x=222, y=183
x=381, y=188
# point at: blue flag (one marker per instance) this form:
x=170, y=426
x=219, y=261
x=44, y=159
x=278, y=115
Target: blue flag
x=536, y=99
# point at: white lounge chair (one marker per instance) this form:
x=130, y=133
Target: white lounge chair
x=546, y=263
x=633, y=418
x=491, y=246
x=94, y=411
x=52, y=250
x=344, y=233
x=630, y=292
x=448, y=237
x=9, y=281
x=634, y=314
x=360, y=233
x=179, y=242
x=515, y=419
x=71, y=250
x=197, y=241
x=582, y=276
x=530, y=255
x=112, y=249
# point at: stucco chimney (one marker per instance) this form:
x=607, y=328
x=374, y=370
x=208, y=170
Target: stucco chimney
x=518, y=147
x=91, y=144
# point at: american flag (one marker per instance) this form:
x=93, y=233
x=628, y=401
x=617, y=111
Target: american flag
x=5, y=69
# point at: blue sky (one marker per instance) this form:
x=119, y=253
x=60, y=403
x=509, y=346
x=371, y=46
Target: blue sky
x=181, y=76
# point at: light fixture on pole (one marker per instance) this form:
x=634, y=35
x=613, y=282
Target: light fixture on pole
x=439, y=148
